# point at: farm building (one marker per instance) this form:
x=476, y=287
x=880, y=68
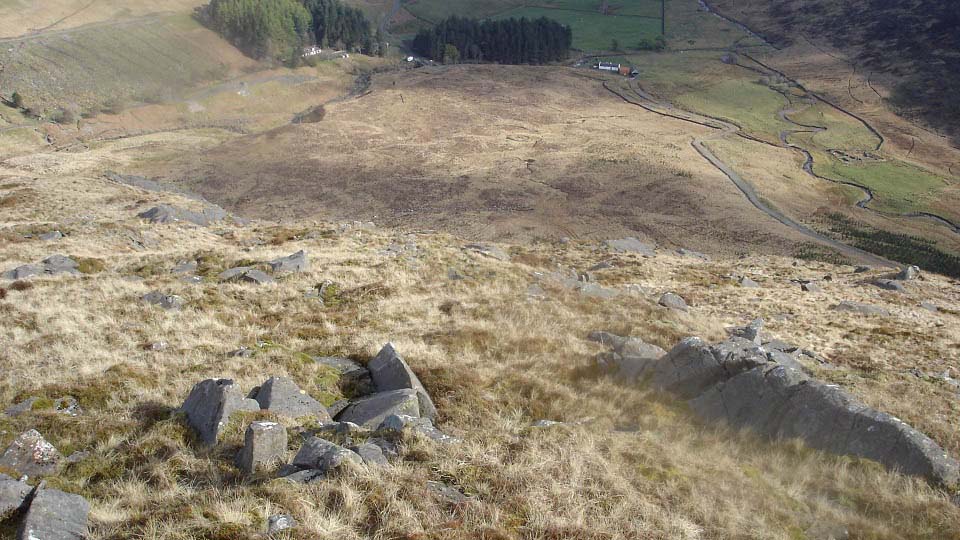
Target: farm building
x=311, y=51
x=626, y=71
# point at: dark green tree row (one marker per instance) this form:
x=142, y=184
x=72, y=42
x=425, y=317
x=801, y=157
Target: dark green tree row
x=507, y=41
x=898, y=247
x=281, y=28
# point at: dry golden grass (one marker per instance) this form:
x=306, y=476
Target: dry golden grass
x=638, y=466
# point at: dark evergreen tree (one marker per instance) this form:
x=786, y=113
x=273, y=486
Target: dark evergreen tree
x=507, y=41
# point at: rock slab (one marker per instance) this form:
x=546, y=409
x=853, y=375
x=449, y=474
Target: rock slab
x=390, y=371
x=210, y=405
x=31, y=455
x=282, y=396
x=264, y=444
x=55, y=515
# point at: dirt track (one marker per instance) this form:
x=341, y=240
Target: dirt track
x=725, y=129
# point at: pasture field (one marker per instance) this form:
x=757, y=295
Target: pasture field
x=26, y=17
x=593, y=31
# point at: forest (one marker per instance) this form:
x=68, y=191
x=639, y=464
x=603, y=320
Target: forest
x=279, y=29
x=506, y=41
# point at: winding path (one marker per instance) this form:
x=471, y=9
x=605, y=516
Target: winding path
x=637, y=96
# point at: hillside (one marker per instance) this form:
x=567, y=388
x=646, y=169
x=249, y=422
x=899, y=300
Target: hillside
x=371, y=298
x=496, y=353
x=914, y=45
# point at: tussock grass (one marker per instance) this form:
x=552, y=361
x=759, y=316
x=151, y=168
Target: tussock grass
x=629, y=463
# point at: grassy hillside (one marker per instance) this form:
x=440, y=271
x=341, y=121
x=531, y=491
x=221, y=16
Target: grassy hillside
x=106, y=66
x=630, y=463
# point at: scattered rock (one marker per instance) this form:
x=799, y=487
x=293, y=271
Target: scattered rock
x=77, y=456
x=541, y=424
x=55, y=515
x=165, y=213
x=396, y=424
x=908, y=273
x=68, y=405
x=13, y=494
x=673, y=301
x=242, y=352
x=810, y=287
x=280, y=522
x=337, y=407
x=31, y=455
x=291, y=263
x=210, y=405
x=185, y=267
x=158, y=346
x=889, y=285
x=747, y=283
x=245, y=274
x=631, y=245
x=325, y=456
x=862, y=269
x=282, y=396
x=750, y=332
x=930, y=306
x=371, y=411
x=488, y=251
x=166, y=301
x=629, y=357
x=592, y=290
x=454, y=275
x=447, y=493
x=692, y=254
x=371, y=454
x=389, y=371
x=192, y=280
x=51, y=266
x=862, y=309
x=265, y=444
x=355, y=380
x=605, y=265
x=536, y=291
x=20, y=408
x=50, y=236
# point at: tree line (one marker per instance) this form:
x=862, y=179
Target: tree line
x=506, y=41
x=280, y=29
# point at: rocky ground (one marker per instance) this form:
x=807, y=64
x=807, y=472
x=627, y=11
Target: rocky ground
x=174, y=372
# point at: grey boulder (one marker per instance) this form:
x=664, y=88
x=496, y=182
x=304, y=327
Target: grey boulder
x=165, y=213
x=488, y=251
x=390, y=371
x=55, y=515
x=245, y=274
x=325, y=456
x=165, y=301
x=370, y=412
x=890, y=285
x=673, y=301
x=265, y=444
x=750, y=332
x=355, y=380
x=31, y=455
x=631, y=245
x=908, y=273
x=747, y=283
x=13, y=494
x=811, y=287
x=371, y=454
x=210, y=405
x=291, y=263
x=50, y=236
x=861, y=309
x=51, y=266
x=282, y=396
x=280, y=522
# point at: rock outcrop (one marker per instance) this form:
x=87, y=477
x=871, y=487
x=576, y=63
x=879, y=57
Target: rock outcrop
x=631, y=245
x=291, y=263
x=764, y=388
x=13, y=496
x=51, y=266
x=165, y=213
x=245, y=274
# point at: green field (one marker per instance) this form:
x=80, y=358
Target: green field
x=843, y=131
x=593, y=31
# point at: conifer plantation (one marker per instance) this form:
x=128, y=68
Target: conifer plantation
x=507, y=41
